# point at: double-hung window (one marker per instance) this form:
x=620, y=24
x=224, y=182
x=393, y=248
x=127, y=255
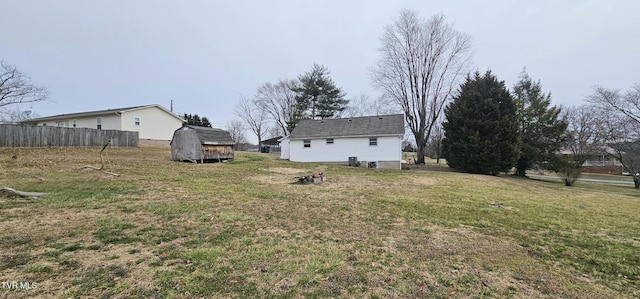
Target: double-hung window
x=373, y=141
x=307, y=143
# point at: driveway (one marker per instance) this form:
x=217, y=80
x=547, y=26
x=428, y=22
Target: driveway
x=630, y=182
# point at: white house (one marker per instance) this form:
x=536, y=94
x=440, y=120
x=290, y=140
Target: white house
x=374, y=141
x=152, y=122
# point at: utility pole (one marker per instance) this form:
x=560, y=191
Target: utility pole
x=171, y=105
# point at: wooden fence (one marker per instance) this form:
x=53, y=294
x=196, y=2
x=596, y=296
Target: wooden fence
x=32, y=136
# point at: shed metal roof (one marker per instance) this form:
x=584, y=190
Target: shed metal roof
x=346, y=127
x=211, y=135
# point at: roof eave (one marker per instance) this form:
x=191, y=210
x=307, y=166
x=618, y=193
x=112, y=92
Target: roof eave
x=216, y=143
x=348, y=136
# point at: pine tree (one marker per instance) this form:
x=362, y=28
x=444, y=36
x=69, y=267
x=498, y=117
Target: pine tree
x=318, y=95
x=195, y=120
x=541, y=127
x=481, y=130
x=206, y=122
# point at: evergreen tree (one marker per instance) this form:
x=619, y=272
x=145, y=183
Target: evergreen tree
x=541, y=127
x=205, y=122
x=481, y=130
x=318, y=95
x=195, y=120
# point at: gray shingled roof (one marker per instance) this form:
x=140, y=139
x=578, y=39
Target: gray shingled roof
x=354, y=126
x=212, y=135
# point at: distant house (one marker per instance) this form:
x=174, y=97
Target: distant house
x=371, y=141
x=152, y=122
x=201, y=144
x=271, y=145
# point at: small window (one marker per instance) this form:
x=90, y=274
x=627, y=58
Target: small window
x=62, y=124
x=136, y=121
x=74, y=123
x=99, y=123
x=44, y=124
x=307, y=143
x=373, y=141
x=330, y=141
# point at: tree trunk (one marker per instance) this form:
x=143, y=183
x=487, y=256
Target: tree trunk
x=521, y=167
x=636, y=180
x=313, y=107
x=422, y=151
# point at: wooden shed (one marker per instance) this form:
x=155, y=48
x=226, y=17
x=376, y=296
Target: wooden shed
x=201, y=144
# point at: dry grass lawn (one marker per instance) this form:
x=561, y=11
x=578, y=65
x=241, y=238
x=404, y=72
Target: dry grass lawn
x=243, y=229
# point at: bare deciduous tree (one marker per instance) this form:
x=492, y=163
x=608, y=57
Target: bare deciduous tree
x=435, y=141
x=623, y=140
x=16, y=87
x=621, y=126
x=236, y=128
x=363, y=105
x=16, y=116
x=254, y=117
x=279, y=101
x=421, y=63
x=627, y=104
x=274, y=131
x=583, y=141
x=584, y=137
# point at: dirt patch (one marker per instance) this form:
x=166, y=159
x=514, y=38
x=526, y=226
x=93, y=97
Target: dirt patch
x=424, y=181
x=285, y=170
x=427, y=167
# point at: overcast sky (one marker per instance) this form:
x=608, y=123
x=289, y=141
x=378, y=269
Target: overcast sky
x=95, y=55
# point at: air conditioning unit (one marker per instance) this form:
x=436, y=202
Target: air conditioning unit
x=372, y=164
x=353, y=161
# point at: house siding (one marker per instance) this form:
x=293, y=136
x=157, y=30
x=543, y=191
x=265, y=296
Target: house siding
x=284, y=148
x=155, y=123
x=388, y=150
x=109, y=122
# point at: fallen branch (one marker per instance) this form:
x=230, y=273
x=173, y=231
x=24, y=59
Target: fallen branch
x=102, y=161
x=316, y=177
x=99, y=169
x=31, y=195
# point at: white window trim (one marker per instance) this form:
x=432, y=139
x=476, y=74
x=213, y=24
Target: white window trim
x=374, y=139
x=306, y=143
x=137, y=121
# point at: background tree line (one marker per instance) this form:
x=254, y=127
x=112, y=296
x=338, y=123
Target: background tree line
x=491, y=130
x=479, y=127
x=475, y=122
x=276, y=108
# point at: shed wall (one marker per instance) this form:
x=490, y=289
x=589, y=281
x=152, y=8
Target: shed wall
x=217, y=152
x=185, y=146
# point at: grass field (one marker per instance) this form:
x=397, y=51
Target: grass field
x=242, y=229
